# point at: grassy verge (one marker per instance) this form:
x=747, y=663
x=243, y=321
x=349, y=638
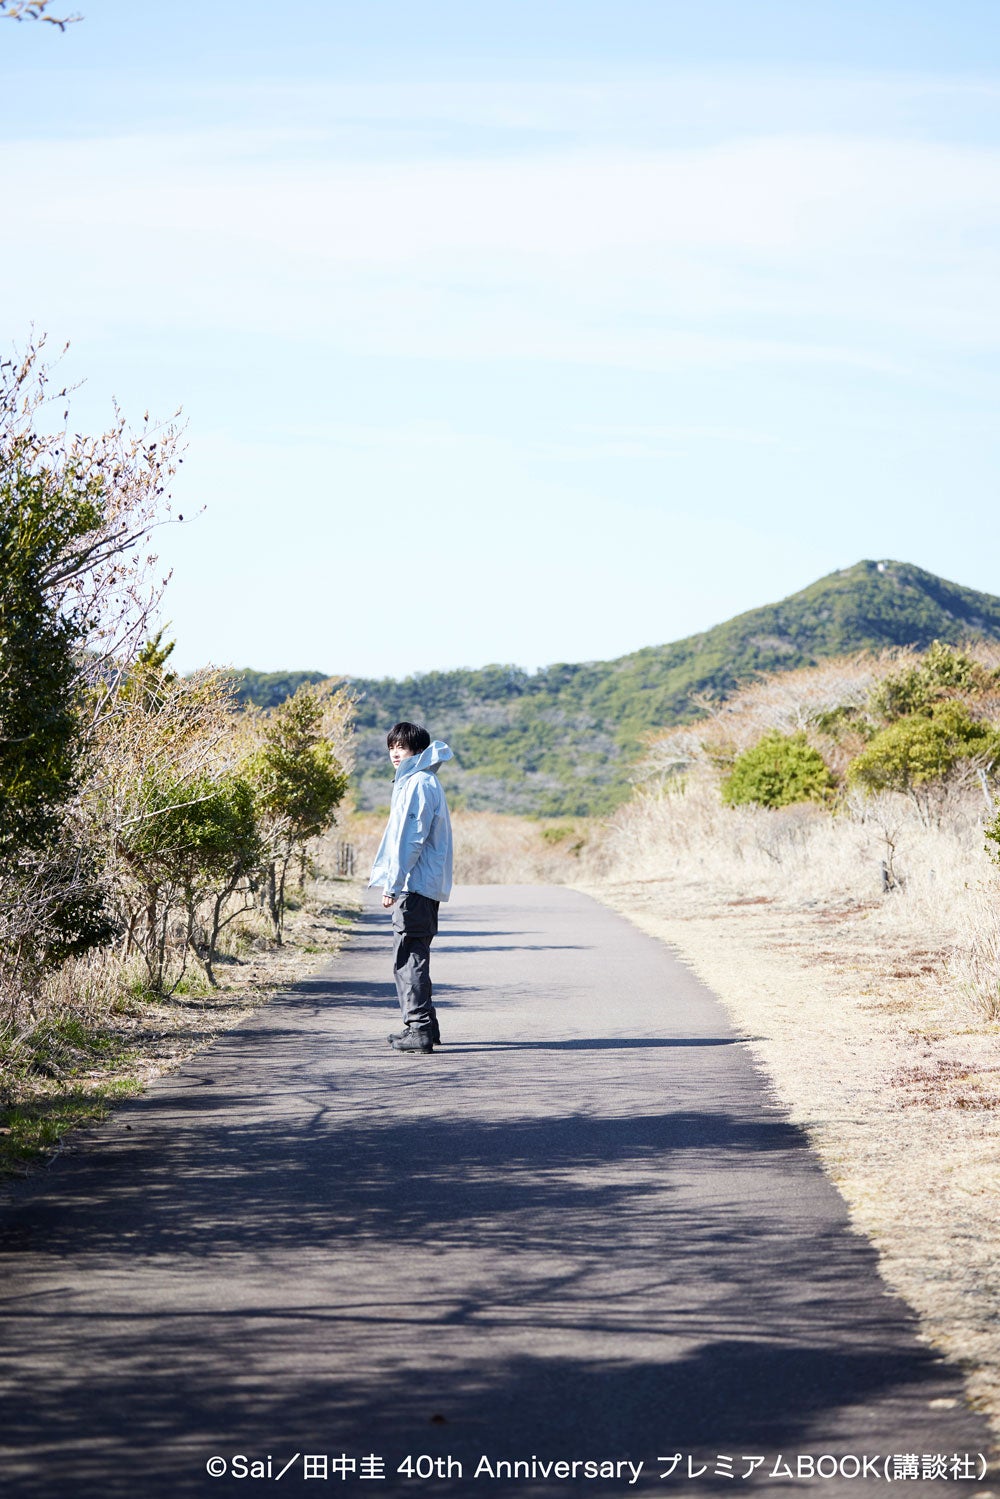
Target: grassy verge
x=33, y=1130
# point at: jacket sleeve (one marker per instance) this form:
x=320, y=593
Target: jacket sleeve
x=418, y=817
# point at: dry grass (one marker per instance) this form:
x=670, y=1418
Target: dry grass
x=491, y=848
x=919, y=885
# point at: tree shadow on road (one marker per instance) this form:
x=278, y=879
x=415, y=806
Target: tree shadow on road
x=555, y=1286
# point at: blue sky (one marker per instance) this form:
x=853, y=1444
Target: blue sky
x=521, y=333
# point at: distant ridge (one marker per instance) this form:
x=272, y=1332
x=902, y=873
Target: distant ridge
x=560, y=741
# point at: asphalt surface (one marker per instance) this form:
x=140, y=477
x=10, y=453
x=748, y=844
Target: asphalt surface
x=581, y=1231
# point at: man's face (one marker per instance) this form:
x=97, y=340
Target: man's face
x=398, y=753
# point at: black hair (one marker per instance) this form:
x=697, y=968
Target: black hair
x=410, y=736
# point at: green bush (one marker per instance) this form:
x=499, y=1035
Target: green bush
x=920, y=752
x=779, y=770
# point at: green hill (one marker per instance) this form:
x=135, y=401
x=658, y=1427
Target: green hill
x=561, y=741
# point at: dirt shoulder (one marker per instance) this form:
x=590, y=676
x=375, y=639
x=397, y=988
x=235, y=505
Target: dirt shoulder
x=877, y=1054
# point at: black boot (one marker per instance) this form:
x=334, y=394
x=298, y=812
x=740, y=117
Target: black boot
x=435, y=1033
x=415, y=1038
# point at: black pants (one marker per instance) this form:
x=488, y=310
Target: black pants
x=414, y=927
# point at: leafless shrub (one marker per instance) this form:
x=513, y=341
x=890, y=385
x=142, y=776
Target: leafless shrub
x=788, y=703
x=888, y=814
x=159, y=749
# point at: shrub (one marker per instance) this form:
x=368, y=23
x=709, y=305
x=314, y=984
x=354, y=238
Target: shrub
x=922, y=755
x=779, y=769
x=942, y=673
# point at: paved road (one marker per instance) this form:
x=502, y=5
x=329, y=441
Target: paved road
x=581, y=1231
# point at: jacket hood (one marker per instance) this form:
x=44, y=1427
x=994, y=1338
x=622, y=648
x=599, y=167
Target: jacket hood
x=436, y=753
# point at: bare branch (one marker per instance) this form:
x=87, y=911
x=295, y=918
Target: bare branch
x=34, y=10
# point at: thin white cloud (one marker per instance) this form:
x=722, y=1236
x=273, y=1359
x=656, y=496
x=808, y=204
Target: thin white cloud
x=759, y=198
x=779, y=249
x=473, y=110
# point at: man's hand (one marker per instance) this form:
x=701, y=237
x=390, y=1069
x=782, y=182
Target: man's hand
x=388, y=901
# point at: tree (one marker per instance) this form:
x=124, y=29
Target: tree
x=299, y=780
x=111, y=491
x=778, y=770
x=52, y=896
x=77, y=585
x=39, y=643
x=76, y=591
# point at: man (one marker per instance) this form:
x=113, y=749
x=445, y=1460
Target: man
x=413, y=866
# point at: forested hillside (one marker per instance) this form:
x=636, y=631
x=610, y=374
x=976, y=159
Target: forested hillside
x=562, y=740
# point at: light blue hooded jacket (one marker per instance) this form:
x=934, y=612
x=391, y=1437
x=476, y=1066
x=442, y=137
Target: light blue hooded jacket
x=416, y=851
